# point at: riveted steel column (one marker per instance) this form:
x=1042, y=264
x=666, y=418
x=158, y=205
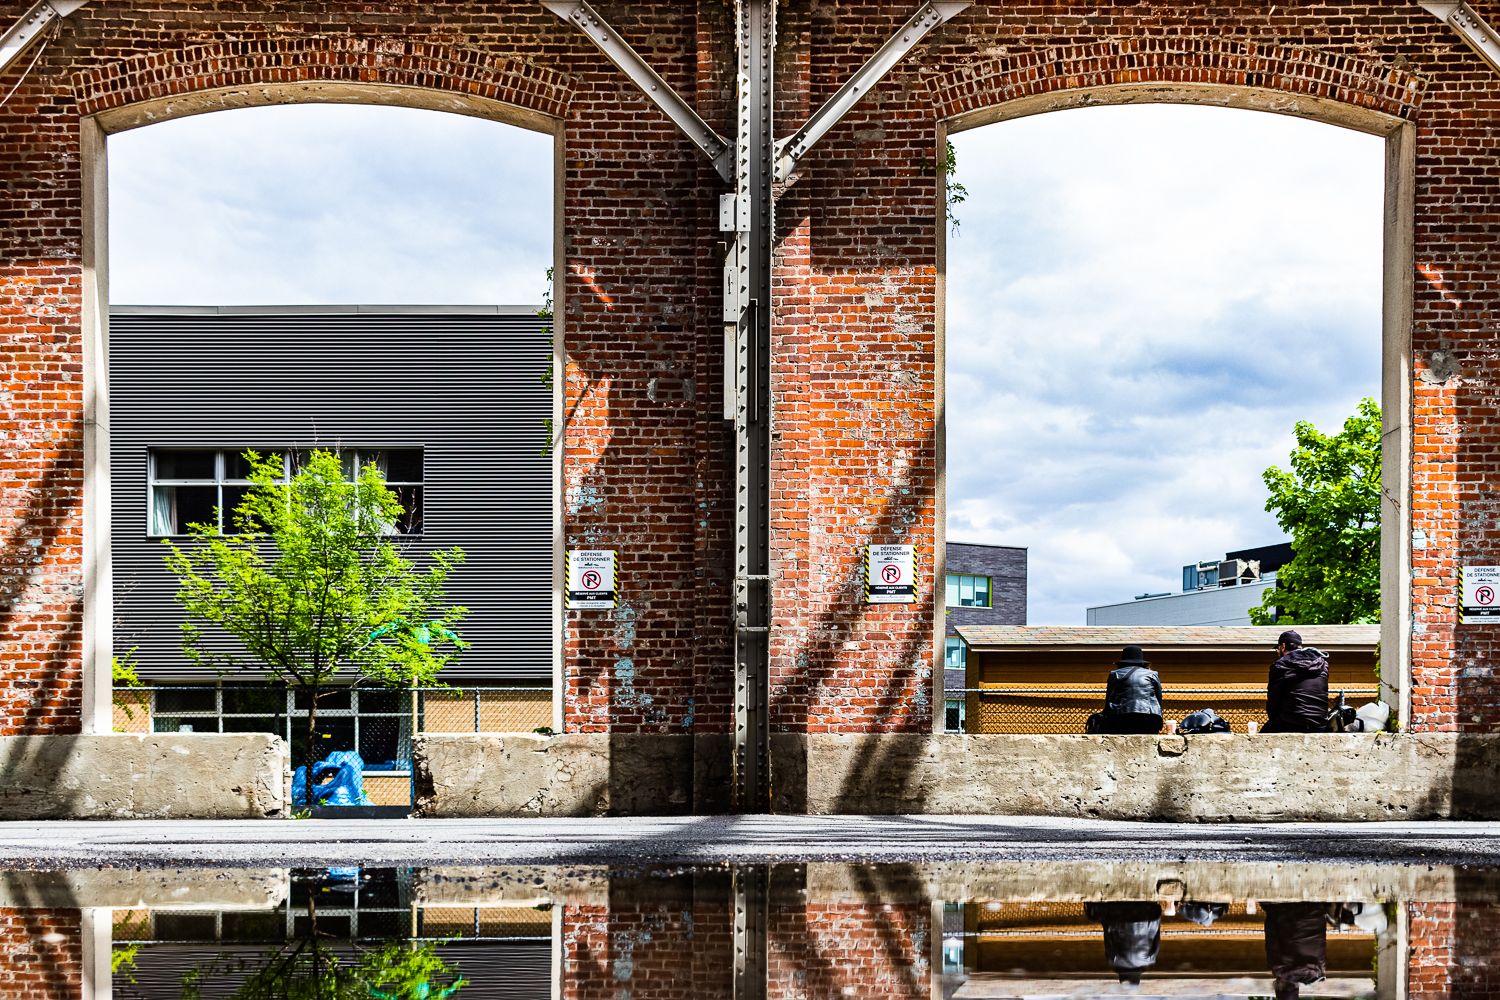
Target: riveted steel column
x=751, y=913
x=747, y=303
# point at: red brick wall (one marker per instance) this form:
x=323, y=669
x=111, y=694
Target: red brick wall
x=676, y=942
x=647, y=458
x=645, y=950
x=32, y=967
x=1455, y=951
x=876, y=951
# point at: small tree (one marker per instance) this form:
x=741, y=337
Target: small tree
x=311, y=966
x=313, y=586
x=1329, y=503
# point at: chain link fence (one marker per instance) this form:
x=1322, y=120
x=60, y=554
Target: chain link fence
x=1041, y=709
x=376, y=723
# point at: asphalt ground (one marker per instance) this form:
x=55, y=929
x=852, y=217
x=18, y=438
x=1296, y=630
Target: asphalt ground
x=727, y=839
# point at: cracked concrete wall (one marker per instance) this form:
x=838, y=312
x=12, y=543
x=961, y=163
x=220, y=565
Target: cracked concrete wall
x=574, y=774
x=1229, y=777
x=1284, y=777
x=131, y=776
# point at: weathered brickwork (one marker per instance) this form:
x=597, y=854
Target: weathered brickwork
x=874, y=950
x=41, y=954
x=1454, y=953
x=662, y=949
x=647, y=466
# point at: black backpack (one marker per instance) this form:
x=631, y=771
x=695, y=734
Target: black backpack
x=1205, y=720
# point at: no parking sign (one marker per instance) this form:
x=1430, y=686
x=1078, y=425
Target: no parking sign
x=890, y=574
x=591, y=578
x=1480, y=600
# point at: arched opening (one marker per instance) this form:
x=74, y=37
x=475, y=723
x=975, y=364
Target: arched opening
x=1387, y=305
x=413, y=357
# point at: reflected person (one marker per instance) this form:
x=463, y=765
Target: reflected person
x=1296, y=945
x=1132, y=698
x=1132, y=936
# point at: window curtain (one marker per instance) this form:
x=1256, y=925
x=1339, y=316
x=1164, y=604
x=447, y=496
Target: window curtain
x=163, y=511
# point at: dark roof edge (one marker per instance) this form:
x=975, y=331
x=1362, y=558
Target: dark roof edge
x=326, y=310
x=987, y=545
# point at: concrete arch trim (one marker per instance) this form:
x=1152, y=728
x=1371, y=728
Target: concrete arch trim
x=968, y=104
x=1307, y=82
x=227, y=74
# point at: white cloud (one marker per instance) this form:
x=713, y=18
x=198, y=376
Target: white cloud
x=1142, y=301
x=329, y=204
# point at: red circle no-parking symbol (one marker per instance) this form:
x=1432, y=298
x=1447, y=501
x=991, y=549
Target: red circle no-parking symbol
x=1485, y=595
x=591, y=579
x=890, y=573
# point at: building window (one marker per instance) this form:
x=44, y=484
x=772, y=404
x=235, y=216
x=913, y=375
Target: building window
x=955, y=653
x=966, y=591
x=954, y=717
x=375, y=722
x=205, y=486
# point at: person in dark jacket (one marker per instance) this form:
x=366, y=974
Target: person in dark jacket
x=1297, y=689
x=1296, y=945
x=1132, y=936
x=1132, y=699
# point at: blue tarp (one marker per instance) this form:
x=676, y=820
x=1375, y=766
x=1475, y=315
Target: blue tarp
x=338, y=780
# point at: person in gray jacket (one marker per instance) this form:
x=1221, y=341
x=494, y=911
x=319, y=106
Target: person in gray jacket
x=1132, y=698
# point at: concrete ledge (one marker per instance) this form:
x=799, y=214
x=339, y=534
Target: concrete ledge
x=1225, y=777
x=574, y=774
x=1094, y=880
x=138, y=888
x=160, y=776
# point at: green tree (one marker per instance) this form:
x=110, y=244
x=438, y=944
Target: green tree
x=1329, y=503
x=313, y=586
x=311, y=968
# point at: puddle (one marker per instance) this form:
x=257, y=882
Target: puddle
x=982, y=930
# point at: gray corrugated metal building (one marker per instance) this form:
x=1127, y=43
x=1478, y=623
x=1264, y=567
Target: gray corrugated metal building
x=450, y=395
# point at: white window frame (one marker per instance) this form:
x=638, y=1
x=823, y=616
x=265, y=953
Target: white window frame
x=288, y=460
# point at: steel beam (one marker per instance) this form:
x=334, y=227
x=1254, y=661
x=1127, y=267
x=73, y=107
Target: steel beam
x=751, y=919
x=1471, y=27
x=657, y=90
x=747, y=325
x=31, y=26
x=931, y=14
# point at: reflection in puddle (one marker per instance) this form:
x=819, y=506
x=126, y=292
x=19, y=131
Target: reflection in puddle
x=1194, y=948
x=793, y=931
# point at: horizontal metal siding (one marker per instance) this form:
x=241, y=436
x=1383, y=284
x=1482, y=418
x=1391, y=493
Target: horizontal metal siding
x=465, y=389
x=500, y=970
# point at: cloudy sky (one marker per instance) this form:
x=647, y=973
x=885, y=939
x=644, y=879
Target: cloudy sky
x=329, y=204
x=1142, y=301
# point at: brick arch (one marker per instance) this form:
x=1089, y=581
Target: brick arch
x=337, y=68
x=1289, y=79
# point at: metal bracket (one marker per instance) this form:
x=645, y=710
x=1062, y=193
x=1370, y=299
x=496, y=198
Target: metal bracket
x=30, y=27
x=658, y=91
x=1473, y=28
x=789, y=151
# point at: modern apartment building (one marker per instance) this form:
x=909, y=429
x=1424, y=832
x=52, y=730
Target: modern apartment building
x=985, y=585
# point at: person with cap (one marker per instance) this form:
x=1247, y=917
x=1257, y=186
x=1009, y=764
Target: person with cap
x=1132, y=698
x=1297, y=688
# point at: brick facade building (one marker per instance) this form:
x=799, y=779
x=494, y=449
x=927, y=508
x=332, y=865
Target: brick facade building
x=858, y=279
